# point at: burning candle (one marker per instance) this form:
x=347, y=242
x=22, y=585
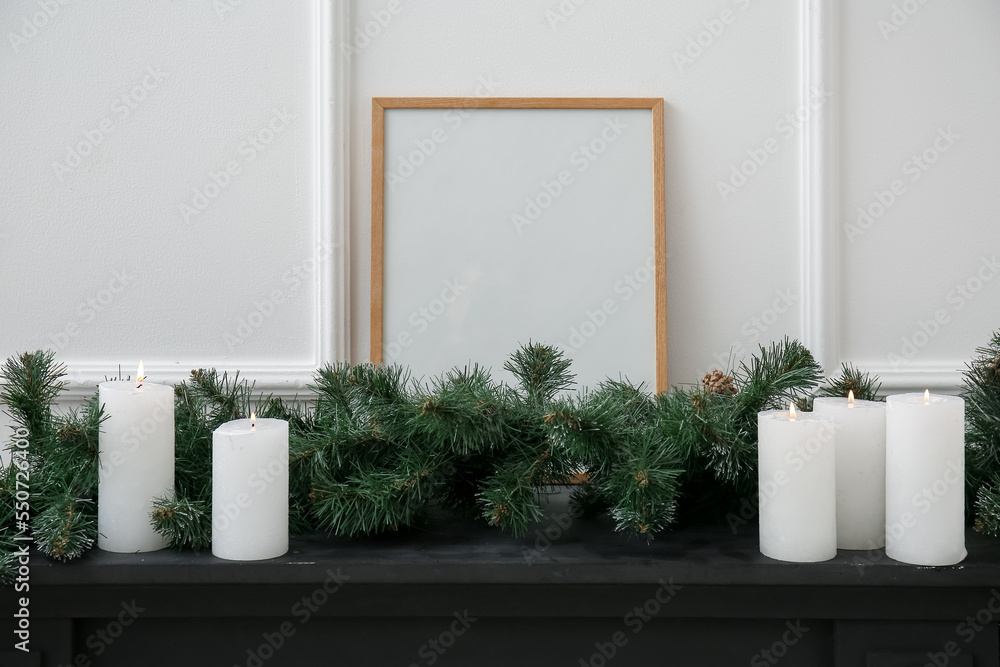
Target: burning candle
x=859, y=438
x=250, y=489
x=797, y=486
x=136, y=451
x=925, y=479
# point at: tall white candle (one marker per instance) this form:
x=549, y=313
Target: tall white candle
x=860, y=445
x=925, y=479
x=136, y=451
x=250, y=489
x=797, y=484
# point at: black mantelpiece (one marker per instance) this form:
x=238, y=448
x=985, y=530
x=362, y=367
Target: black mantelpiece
x=404, y=590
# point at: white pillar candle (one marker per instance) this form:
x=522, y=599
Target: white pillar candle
x=860, y=451
x=797, y=485
x=925, y=479
x=136, y=451
x=250, y=489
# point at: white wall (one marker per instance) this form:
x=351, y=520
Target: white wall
x=771, y=258
x=920, y=99
x=164, y=183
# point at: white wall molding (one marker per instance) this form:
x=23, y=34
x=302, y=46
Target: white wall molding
x=335, y=222
x=281, y=380
x=818, y=182
x=819, y=209
x=943, y=378
x=330, y=214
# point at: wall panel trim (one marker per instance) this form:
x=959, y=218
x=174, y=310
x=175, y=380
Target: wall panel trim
x=818, y=183
x=330, y=322
x=819, y=212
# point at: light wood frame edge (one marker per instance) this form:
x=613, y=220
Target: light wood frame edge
x=378, y=185
x=654, y=104
x=660, y=247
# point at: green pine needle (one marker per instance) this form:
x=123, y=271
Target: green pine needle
x=988, y=508
x=184, y=523
x=981, y=391
x=31, y=383
x=864, y=385
x=541, y=371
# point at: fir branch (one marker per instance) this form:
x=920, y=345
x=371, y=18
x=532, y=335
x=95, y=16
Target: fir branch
x=64, y=484
x=201, y=404
x=460, y=413
x=184, y=523
x=372, y=502
x=697, y=423
x=541, y=371
x=864, y=385
x=222, y=398
x=509, y=495
x=332, y=388
x=8, y=488
x=510, y=501
x=585, y=427
x=66, y=528
x=366, y=469
x=680, y=417
x=988, y=508
x=72, y=453
x=786, y=371
x=32, y=382
x=636, y=512
x=524, y=461
x=981, y=391
x=192, y=445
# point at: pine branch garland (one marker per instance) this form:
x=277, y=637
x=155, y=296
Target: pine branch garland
x=375, y=450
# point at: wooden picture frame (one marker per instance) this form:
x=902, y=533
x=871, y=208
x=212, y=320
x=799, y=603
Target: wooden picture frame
x=383, y=198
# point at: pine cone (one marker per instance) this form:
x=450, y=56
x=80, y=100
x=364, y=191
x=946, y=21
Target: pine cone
x=994, y=368
x=718, y=382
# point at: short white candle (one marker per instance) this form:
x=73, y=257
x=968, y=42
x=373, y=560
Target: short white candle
x=250, y=489
x=860, y=445
x=925, y=479
x=136, y=451
x=797, y=484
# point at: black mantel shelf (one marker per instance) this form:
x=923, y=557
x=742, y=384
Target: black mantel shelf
x=537, y=600
x=587, y=553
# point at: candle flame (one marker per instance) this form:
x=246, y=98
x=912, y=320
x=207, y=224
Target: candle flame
x=791, y=411
x=140, y=376
x=850, y=398
x=253, y=421
x=927, y=396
